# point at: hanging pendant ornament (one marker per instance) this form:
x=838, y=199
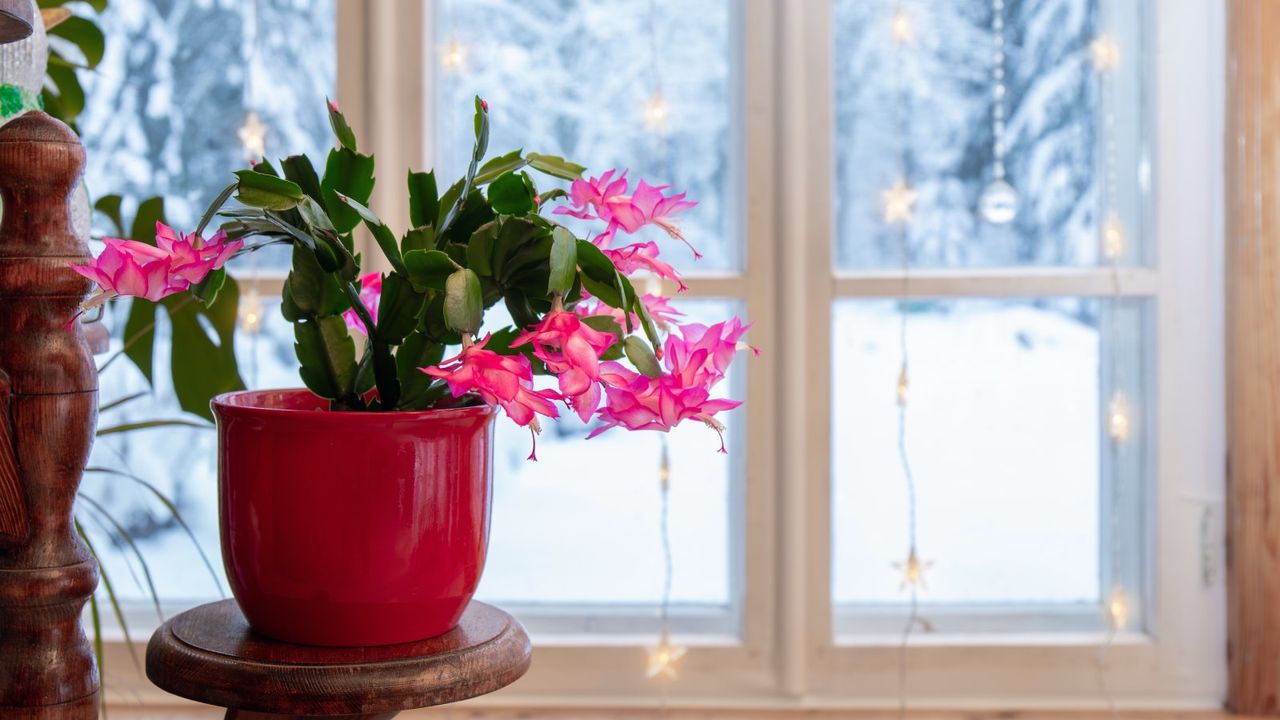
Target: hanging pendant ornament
x=998, y=203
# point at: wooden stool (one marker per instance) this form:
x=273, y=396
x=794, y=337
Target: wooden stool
x=209, y=654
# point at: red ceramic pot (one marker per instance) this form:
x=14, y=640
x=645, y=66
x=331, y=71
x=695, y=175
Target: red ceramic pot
x=344, y=528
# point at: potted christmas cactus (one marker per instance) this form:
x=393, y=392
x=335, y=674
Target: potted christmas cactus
x=356, y=511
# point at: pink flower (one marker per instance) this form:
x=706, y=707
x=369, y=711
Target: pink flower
x=592, y=199
x=505, y=380
x=571, y=349
x=193, y=256
x=694, y=362
x=128, y=267
x=643, y=256
x=370, y=294
x=172, y=265
x=648, y=206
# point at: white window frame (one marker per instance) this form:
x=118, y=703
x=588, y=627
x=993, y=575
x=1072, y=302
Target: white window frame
x=781, y=650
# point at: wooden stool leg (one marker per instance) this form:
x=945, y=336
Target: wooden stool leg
x=233, y=714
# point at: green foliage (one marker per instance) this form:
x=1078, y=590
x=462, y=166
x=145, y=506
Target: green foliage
x=63, y=95
x=480, y=242
x=202, y=364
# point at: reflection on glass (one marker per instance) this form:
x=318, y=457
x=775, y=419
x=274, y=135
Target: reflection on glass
x=1004, y=429
x=579, y=78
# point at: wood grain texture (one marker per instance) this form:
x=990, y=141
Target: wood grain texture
x=48, y=399
x=1253, y=357
x=209, y=654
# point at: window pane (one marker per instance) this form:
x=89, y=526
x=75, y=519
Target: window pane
x=163, y=113
x=1007, y=439
x=161, y=119
x=573, y=78
x=1068, y=129
x=581, y=525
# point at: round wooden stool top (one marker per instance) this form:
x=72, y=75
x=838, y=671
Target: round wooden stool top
x=209, y=654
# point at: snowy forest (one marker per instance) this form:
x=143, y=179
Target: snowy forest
x=575, y=77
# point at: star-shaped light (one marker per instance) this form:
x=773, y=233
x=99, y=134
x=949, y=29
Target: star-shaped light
x=253, y=136
x=1118, y=417
x=1118, y=609
x=1105, y=52
x=453, y=57
x=663, y=658
x=913, y=571
x=903, y=33
x=898, y=201
x=251, y=313
x=655, y=112
x=902, y=385
x=1112, y=238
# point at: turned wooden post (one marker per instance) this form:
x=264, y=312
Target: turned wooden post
x=48, y=412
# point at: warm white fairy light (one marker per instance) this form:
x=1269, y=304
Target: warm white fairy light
x=1113, y=238
x=1118, y=417
x=663, y=659
x=898, y=201
x=902, y=386
x=453, y=56
x=1105, y=52
x=903, y=31
x=250, y=313
x=1118, y=610
x=253, y=136
x=656, y=112
x=912, y=570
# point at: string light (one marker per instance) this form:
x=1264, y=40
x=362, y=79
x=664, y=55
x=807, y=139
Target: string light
x=453, y=56
x=656, y=112
x=1118, y=610
x=1118, y=417
x=253, y=136
x=1105, y=52
x=663, y=659
x=250, y=313
x=913, y=571
x=1113, y=238
x=902, y=386
x=903, y=32
x=898, y=201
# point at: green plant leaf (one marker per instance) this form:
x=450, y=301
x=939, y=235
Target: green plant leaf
x=351, y=174
x=204, y=365
x=85, y=35
x=509, y=195
x=341, y=130
x=419, y=238
x=398, y=309
x=327, y=356
x=428, y=269
x=499, y=166
x=109, y=205
x=480, y=249
x=640, y=355
x=555, y=166
x=260, y=190
x=381, y=233
x=563, y=261
x=298, y=169
x=424, y=202
x=463, y=301
x=417, y=351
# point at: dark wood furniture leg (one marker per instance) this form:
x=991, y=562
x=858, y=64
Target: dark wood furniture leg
x=48, y=411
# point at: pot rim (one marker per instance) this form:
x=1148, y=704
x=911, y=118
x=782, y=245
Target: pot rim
x=225, y=403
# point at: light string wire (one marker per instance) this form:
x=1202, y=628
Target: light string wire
x=1112, y=245
x=898, y=201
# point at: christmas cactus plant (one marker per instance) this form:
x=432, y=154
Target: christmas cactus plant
x=489, y=238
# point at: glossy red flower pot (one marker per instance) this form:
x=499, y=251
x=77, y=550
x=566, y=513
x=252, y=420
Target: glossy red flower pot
x=347, y=529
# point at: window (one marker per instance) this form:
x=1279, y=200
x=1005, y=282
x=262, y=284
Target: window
x=784, y=120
